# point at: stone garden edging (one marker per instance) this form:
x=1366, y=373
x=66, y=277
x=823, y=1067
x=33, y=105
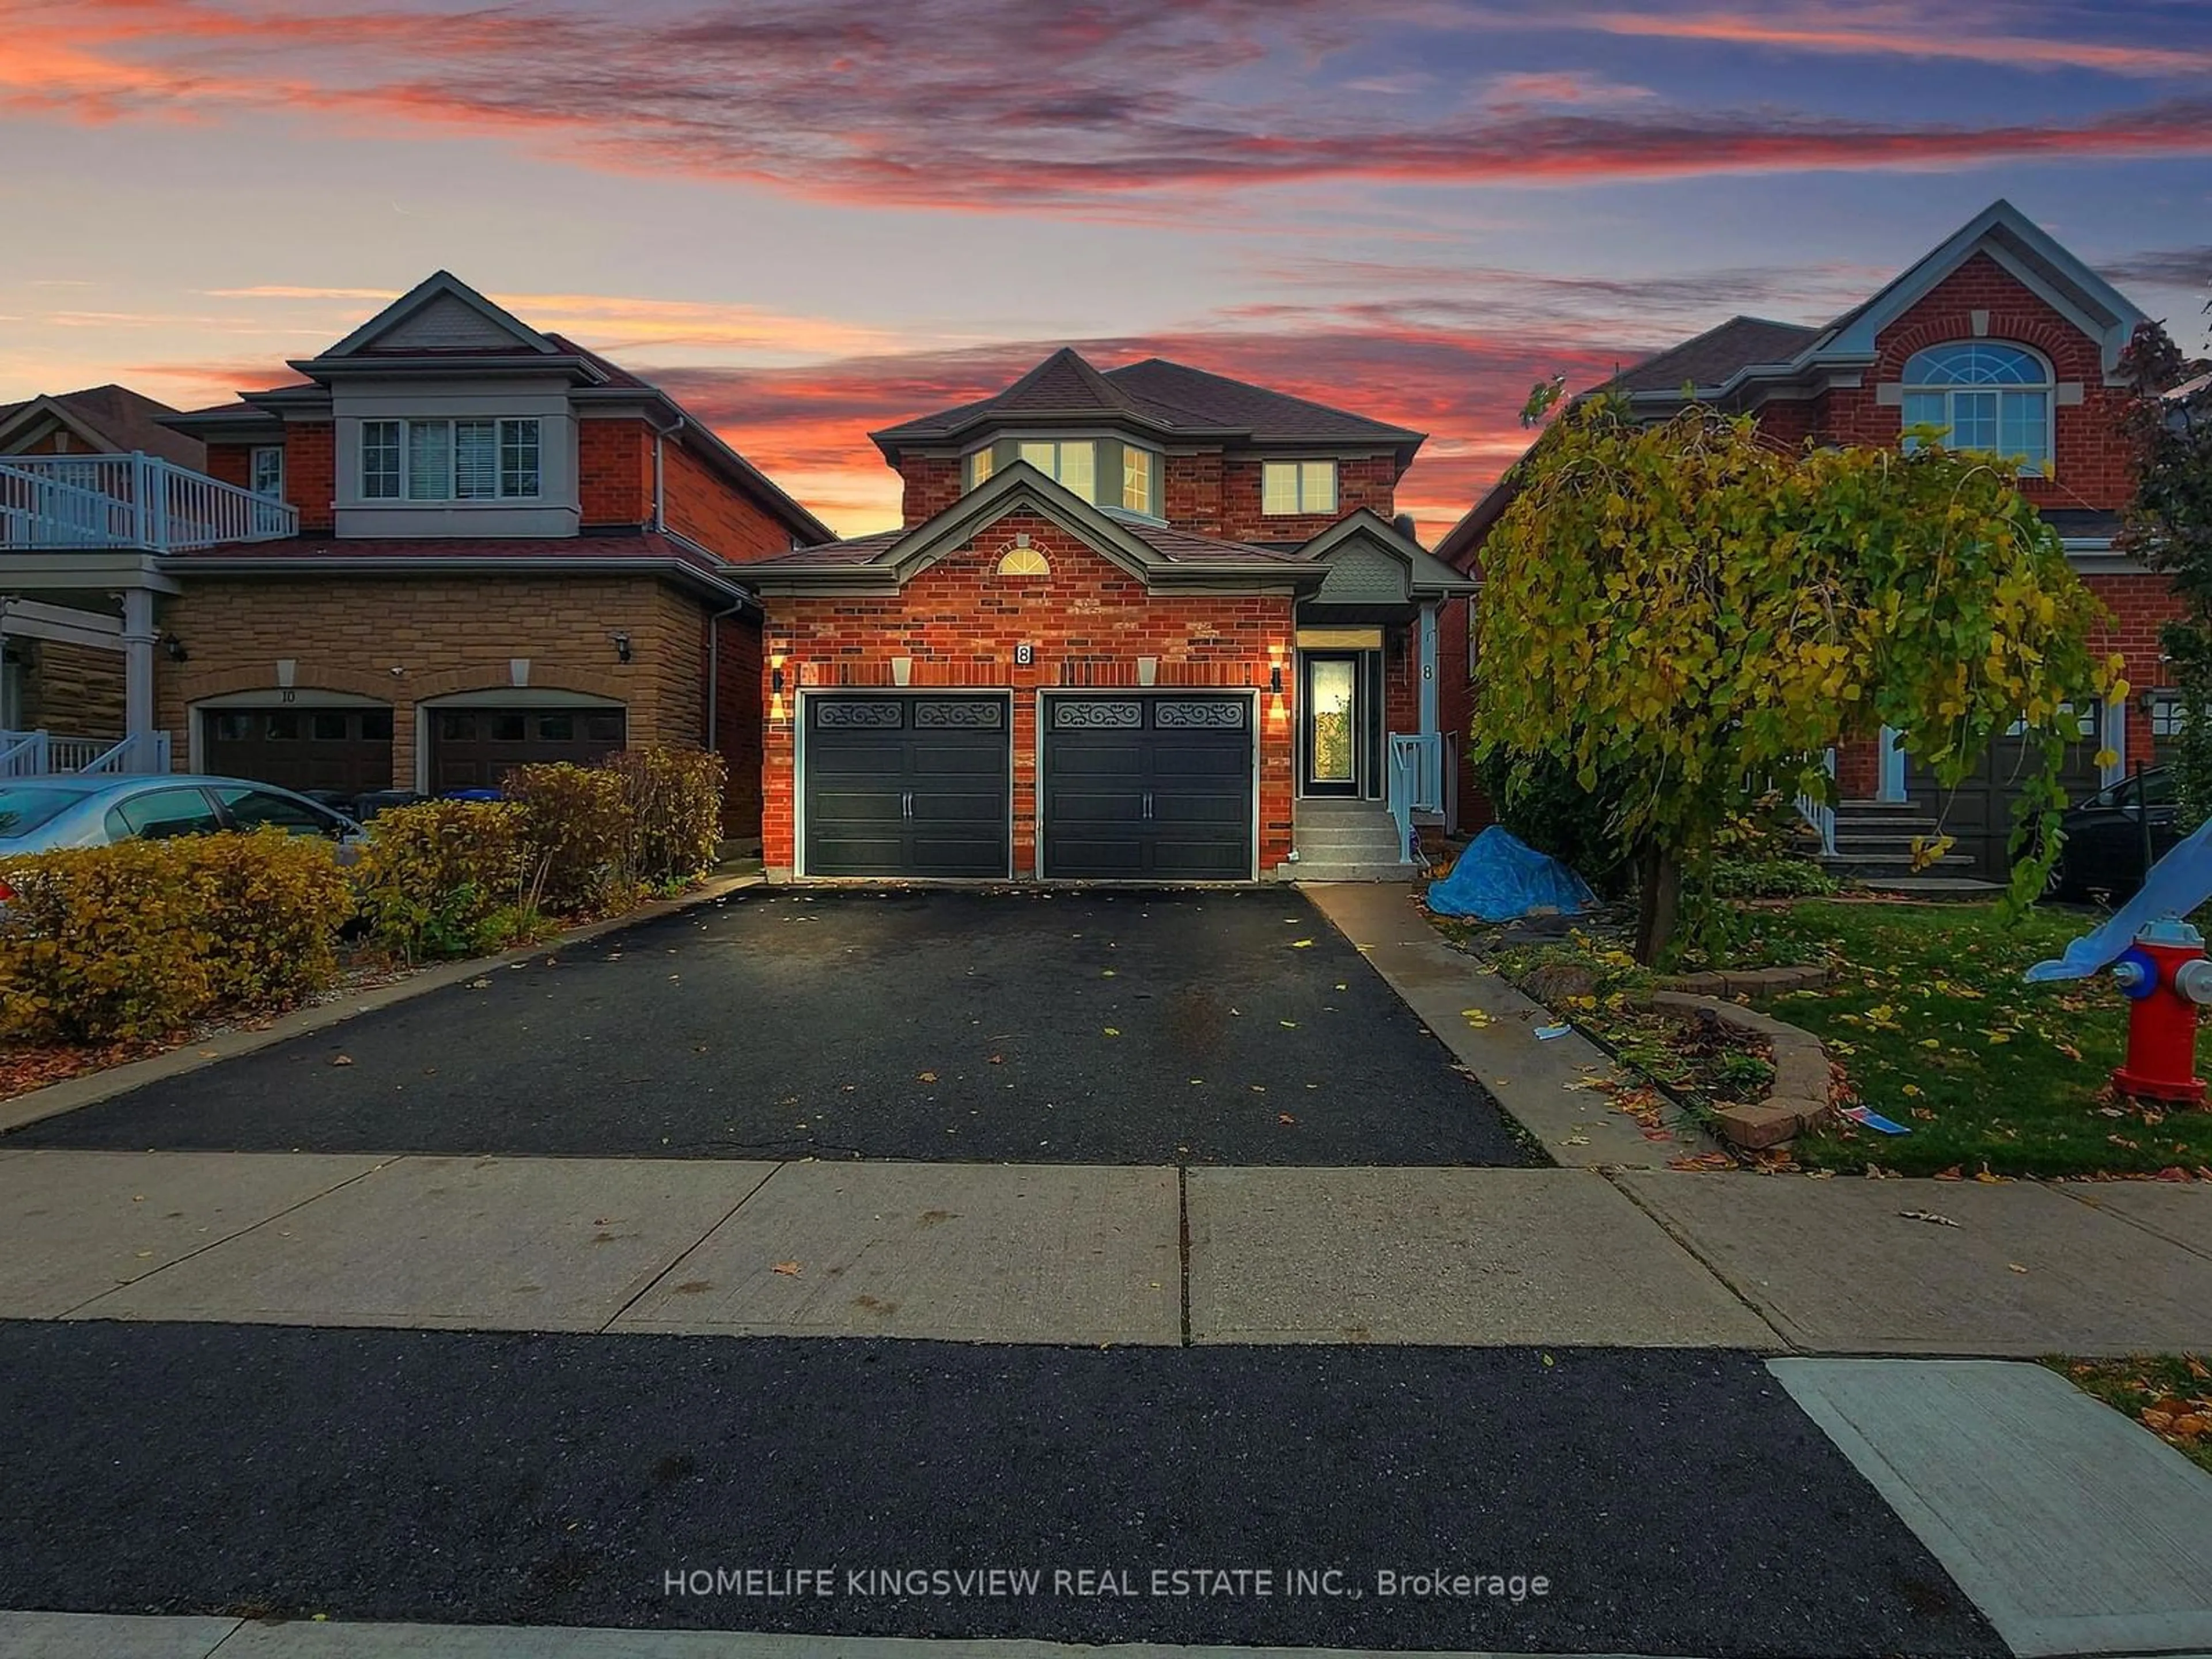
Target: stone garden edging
x=1799, y=1096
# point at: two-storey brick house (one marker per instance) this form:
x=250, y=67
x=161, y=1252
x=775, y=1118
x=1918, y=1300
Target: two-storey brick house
x=508, y=550
x=1148, y=623
x=2009, y=344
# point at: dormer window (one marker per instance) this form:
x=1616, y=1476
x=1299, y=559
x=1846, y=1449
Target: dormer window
x=1291, y=489
x=1140, y=481
x=1984, y=395
x=979, y=467
x=1104, y=471
x=449, y=460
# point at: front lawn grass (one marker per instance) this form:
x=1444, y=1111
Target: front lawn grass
x=2170, y=1394
x=1926, y=1009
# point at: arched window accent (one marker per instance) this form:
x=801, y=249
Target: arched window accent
x=1984, y=395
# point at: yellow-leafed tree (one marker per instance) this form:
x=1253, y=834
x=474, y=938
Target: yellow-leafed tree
x=1695, y=616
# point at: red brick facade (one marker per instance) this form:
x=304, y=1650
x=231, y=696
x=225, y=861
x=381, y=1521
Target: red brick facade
x=614, y=472
x=2091, y=470
x=1088, y=620
x=697, y=503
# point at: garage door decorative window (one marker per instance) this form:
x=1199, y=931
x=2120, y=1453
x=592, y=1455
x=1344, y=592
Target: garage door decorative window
x=970, y=713
x=841, y=713
x=1228, y=716
x=1070, y=713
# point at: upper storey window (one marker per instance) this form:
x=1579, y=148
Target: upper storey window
x=1075, y=465
x=1104, y=471
x=1984, y=395
x=449, y=460
x=268, y=463
x=1291, y=488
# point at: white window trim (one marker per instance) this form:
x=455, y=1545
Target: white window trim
x=1301, y=462
x=2048, y=388
x=402, y=497
x=1156, y=508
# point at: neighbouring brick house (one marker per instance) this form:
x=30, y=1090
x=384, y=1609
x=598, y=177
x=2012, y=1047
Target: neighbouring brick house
x=61, y=655
x=1148, y=623
x=508, y=548
x=2011, y=344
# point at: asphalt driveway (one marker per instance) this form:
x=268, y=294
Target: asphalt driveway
x=1048, y=1027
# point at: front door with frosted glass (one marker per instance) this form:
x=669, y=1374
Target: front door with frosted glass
x=1329, y=725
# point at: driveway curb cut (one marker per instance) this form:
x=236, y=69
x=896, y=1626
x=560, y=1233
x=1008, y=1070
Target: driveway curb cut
x=90, y=1088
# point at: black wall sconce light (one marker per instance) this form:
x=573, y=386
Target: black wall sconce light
x=1275, y=678
x=775, y=680
x=622, y=647
x=174, y=647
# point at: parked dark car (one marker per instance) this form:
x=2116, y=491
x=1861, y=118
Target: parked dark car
x=2107, y=835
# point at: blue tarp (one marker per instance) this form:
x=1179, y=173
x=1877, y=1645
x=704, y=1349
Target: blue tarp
x=1500, y=877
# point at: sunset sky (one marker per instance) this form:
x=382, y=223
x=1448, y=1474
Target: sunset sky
x=806, y=218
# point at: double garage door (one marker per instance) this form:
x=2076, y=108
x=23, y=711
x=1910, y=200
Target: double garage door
x=1132, y=786
x=347, y=750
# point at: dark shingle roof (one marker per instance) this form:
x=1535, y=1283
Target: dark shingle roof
x=1710, y=358
x=125, y=420
x=1168, y=397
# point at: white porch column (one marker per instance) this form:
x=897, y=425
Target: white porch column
x=139, y=638
x=1890, y=785
x=1428, y=663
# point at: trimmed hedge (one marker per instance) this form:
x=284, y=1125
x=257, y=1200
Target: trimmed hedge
x=445, y=878
x=137, y=940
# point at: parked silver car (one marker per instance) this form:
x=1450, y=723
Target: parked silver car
x=39, y=814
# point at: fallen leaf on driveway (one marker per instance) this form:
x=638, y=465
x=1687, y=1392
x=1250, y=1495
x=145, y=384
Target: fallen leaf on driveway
x=2016, y=1267
x=1301, y=944
x=789, y=1269
x=1928, y=1215
x=1284, y=1117
x=1111, y=1031
x=1952, y=1174
x=998, y=1060
x=1576, y=1140
x=341, y=1060
x=928, y=1077
x=1702, y=1161
x=1288, y=1024
x=479, y=984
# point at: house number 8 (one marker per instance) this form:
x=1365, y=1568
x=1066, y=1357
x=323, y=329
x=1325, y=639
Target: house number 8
x=1024, y=655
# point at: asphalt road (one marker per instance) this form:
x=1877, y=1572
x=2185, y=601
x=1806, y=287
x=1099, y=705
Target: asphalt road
x=1675, y=1502
x=1234, y=1027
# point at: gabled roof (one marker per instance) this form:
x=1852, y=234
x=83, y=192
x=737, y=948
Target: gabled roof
x=1168, y=400
x=441, y=313
x=1423, y=576
x=1156, y=554
x=107, y=419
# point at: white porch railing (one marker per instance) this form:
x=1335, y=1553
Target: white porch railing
x=36, y=754
x=61, y=503
x=1820, y=814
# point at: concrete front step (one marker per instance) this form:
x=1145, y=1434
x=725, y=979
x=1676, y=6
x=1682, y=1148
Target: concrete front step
x=1310, y=839
x=1310, y=869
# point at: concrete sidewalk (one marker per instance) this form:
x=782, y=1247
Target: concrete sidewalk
x=1108, y=1254
x=1545, y=1084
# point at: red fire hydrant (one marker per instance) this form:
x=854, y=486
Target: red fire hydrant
x=2167, y=976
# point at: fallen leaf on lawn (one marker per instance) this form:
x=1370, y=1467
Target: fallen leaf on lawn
x=1928, y=1215
x=789, y=1269
x=2197, y=1369
x=1983, y=1176
x=1820, y=1175
x=1954, y=1173
x=341, y=1060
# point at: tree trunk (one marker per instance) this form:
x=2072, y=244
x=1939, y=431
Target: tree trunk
x=1658, y=895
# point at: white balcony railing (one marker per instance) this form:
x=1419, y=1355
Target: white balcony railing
x=85, y=502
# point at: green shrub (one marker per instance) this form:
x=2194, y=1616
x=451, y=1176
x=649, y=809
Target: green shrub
x=1771, y=877
x=675, y=801
x=578, y=831
x=136, y=941
x=433, y=873
x=1537, y=800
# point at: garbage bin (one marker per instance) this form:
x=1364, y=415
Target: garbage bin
x=366, y=806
